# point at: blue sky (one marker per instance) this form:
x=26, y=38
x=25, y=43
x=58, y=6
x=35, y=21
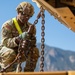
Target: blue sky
x=56, y=34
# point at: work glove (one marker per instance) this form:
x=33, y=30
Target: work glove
x=22, y=36
x=25, y=35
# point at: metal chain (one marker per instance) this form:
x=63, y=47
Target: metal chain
x=42, y=39
x=42, y=15
x=38, y=16
x=19, y=68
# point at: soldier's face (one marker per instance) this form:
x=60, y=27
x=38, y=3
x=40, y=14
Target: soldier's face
x=25, y=15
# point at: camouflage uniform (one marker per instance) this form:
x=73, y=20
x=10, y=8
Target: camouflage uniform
x=9, y=48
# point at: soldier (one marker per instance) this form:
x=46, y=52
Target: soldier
x=13, y=31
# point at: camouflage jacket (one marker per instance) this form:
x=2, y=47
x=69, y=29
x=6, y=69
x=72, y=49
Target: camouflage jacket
x=9, y=32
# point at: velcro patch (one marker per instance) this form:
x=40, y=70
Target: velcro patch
x=8, y=27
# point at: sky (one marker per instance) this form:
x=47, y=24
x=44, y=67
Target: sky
x=56, y=34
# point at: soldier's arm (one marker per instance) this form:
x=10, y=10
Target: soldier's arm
x=33, y=38
x=34, y=29
x=7, y=39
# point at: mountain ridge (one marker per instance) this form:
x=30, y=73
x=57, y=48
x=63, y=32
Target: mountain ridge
x=56, y=59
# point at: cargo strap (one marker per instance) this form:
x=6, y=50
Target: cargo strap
x=17, y=26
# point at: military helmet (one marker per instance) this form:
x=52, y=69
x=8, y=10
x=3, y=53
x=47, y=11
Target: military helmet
x=25, y=4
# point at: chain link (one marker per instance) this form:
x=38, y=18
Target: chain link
x=42, y=40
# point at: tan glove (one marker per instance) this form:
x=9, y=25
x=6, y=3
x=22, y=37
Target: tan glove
x=25, y=35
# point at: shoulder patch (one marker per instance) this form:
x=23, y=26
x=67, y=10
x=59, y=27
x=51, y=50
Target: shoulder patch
x=7, y=26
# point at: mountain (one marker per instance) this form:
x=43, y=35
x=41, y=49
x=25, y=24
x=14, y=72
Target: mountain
x=56, y=59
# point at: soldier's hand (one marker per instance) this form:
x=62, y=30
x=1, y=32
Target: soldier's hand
x=30, y=31
x=23, y=35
